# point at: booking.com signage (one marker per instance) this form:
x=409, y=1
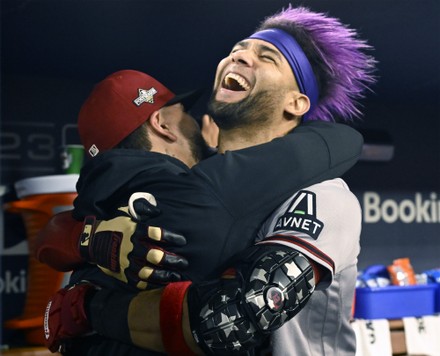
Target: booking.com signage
x=400, y=224
x=418, y=208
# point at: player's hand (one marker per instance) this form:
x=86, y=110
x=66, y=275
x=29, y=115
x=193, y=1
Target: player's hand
x=65, y=316
x=129, y=249
x=233, y=315
x=210, y=131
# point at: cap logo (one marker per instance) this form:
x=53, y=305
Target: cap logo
x=93, y=150
x=145, y=96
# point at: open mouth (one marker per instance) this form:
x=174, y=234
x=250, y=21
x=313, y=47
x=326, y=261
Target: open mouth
x=235, y=82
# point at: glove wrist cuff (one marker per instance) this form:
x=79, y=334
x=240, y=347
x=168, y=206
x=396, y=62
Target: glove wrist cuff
x=171, y=311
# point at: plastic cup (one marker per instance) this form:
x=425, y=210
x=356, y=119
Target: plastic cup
x=72, y=158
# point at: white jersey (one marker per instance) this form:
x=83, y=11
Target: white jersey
x=323, y=222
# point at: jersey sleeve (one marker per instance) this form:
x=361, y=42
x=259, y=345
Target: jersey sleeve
x=267, y=174
x=323, y=222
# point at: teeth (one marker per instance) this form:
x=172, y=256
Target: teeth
x=238, y=79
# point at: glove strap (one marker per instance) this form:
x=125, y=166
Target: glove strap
x=101, y=248
x=87, y=232
x=171, y=310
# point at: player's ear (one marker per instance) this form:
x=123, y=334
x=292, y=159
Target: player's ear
x=161, y=127
x=297, y=104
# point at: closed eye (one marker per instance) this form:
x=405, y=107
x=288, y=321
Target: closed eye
x=268, y=58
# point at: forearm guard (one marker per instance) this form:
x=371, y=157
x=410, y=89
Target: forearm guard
x=232, y=316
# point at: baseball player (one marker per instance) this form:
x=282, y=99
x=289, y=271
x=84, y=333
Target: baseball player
x=114, y=175
x=243, y=54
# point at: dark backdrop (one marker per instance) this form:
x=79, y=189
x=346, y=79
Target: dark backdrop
x=52, y=52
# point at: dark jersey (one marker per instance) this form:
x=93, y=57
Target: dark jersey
x=219, y=204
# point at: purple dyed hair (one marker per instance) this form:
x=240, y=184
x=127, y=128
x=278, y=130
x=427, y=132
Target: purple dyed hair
x=343, y=71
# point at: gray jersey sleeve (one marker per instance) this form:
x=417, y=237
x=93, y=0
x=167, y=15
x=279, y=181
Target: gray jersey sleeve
x=323, y=222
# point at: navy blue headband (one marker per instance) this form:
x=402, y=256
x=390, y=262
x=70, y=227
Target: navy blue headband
x=298, y=61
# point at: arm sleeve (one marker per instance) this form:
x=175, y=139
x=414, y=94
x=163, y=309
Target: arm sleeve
x=332, y=220
x=57, y=244
x=138, y=318
x=313, y=152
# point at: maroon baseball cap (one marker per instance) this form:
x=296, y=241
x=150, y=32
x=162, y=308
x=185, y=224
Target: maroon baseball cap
x=121, y=103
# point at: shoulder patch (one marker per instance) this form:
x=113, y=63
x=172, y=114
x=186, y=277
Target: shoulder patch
x=300, y=216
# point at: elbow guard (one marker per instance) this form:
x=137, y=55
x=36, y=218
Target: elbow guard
x=277, y=282
x=270, y=286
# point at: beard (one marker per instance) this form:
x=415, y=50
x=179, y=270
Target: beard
x=199, y=149
x=253, y=111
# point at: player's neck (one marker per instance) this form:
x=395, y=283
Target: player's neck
x=241, y=138
x=234, y=142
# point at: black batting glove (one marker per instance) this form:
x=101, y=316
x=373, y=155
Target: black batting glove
x=129, y=249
